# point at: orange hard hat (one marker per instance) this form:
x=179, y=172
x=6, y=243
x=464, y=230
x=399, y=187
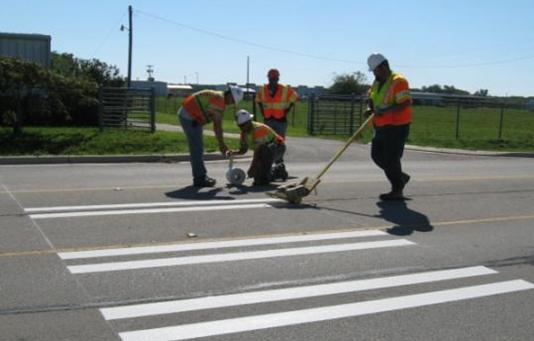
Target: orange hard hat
x=273, y=73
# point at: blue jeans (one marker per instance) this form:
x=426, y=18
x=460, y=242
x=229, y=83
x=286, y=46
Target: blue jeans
x=193, y=132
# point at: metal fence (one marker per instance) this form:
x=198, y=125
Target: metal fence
x=334, y=114
x=437, y=115
x=127, y=108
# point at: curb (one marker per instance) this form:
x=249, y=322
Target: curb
x=168, y=158
x=48, y=159
x=469, y=152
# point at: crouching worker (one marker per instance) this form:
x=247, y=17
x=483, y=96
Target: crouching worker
x=269, y=148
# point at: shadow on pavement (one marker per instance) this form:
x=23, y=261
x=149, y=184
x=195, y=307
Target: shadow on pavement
x=406, y=220
x=192, y=192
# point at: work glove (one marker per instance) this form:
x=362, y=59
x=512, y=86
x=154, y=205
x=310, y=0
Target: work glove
x=367, y=113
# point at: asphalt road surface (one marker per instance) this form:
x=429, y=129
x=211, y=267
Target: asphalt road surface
x=132, y=252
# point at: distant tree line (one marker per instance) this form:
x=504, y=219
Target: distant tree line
x=65, y=94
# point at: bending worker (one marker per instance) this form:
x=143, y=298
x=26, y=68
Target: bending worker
x=268, y=148
x=390, y=101
x=275, y=102
x=198, y=109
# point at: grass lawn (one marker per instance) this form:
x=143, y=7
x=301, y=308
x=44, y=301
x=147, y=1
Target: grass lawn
x=432, y=126
x=90, y=141
x=167, y=108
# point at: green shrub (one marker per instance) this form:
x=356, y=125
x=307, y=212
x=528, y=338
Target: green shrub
x=44, y=97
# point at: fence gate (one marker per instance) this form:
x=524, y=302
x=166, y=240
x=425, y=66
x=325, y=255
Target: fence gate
x=334, y=114
x=127, y=108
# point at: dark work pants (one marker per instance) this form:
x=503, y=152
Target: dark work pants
x=260, y=168
x=279, y=127
x=386, y=151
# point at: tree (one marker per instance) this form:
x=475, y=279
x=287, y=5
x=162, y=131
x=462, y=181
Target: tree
x=446, y=89
x=93, y=70
x=349, y=83
x=482, y=93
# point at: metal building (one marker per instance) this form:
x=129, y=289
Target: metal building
x=30, y=47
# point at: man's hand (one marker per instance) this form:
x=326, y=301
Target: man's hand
x=381, y=110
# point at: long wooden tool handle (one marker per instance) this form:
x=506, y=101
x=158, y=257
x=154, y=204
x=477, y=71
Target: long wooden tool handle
x=350, y=140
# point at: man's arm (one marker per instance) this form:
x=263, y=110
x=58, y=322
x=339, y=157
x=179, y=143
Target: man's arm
x=217, y=129
x=291, y=105
x=260, y=105
x=394, y=107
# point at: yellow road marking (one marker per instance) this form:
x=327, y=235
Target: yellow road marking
x=439, y=223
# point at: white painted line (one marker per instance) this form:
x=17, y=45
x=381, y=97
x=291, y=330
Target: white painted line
x=227, y=257
x=290, y=318
x=212, y=302
x=146, y=211
x=152, y=204
x=218, y=244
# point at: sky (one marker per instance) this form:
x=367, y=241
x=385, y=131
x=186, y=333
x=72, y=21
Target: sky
x=470, y=44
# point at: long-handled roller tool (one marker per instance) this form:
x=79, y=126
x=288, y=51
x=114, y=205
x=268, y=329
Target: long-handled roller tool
x=296, y=191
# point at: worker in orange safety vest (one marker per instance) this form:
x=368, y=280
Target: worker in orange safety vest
x=390, y=101
x=275, y=101
x=269, y=147
x=198, y=109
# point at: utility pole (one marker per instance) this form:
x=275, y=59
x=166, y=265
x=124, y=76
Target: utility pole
x=130, y=33
x=248, y=69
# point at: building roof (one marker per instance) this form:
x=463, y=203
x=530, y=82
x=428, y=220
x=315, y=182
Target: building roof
x=25, y=36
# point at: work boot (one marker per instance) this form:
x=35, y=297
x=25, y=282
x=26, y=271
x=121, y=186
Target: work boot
x=205, y=182
x=393, y=195
x=279, y=172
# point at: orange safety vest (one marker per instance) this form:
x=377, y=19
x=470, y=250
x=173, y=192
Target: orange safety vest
x=275, y=106
x=394, y=91
x=203, y=105
x=261, y=134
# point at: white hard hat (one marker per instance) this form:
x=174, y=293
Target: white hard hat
x=243, y=116
x=237, y=93
x=374, y=60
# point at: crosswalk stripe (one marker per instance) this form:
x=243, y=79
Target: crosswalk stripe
x=147, y=211
x=151, y=204
x=212, y=302
x=218, y=244
x=226, y=257
x=258, y=322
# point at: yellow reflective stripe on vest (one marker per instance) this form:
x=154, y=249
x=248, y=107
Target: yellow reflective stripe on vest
x=402, y=96
x=262, y=134
x=275, y=105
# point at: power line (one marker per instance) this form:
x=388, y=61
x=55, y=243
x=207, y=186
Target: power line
x=245, y=42
x=111, y=30
x=497, y=62
x=346, y=61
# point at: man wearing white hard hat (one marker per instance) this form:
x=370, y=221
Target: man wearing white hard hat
x=269, y=148
x=390, y=101
x=198, y=109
